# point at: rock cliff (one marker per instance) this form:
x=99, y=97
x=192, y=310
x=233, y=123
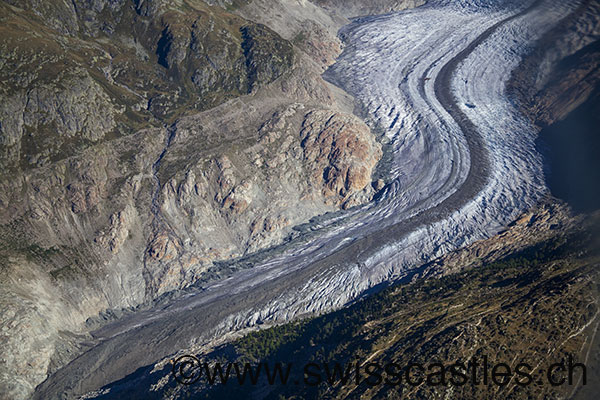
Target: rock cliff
x=562, y=71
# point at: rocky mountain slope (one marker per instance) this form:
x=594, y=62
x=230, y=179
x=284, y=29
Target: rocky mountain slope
x=565, y=65
x=358, y=8
x=563, y=98
x=142, y=141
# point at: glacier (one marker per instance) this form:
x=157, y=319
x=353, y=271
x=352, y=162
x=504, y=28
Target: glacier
x=463, y=165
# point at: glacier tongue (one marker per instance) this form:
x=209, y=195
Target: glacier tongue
x=464, y=161
x=390, y=63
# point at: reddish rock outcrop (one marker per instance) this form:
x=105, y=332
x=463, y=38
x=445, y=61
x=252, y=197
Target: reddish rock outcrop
x=342, y=152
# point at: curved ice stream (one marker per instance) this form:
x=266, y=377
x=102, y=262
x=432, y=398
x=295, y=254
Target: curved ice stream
x=464, y=165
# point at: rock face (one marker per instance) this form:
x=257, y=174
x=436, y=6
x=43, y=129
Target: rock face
x=144, y=142
x=357, y=8
x=567, y=62
x=232, y=202
x=39, y=123
x=70, y=235
x=342, y=155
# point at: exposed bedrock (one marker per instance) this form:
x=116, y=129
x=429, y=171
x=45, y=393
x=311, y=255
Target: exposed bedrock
x=249, y=194
x=563, y=69
x=357, y=8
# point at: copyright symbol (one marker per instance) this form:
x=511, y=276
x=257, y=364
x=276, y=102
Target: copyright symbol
x=186, y=370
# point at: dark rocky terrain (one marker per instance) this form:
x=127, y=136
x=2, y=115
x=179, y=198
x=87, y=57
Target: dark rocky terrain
x=562, y=97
